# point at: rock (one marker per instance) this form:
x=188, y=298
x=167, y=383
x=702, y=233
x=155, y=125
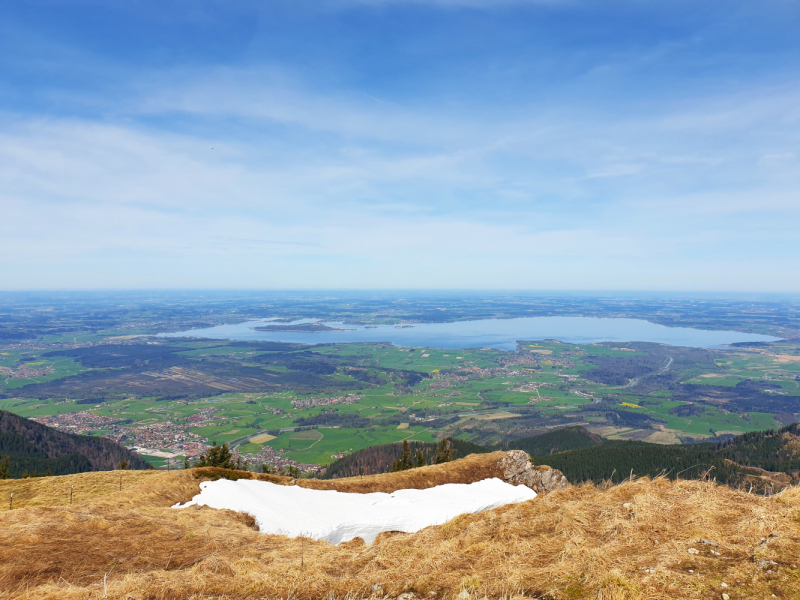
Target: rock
x=723, y=585
x=627, y=505
x=694, y=551
x=517, y=469
x=766, y=563
x=709, y=542
x=464, y=595
x=766, y=539
x=726, y=597
x=406, y=596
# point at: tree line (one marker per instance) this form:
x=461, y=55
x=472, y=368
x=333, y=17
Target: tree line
x=381, y=459
x=733, y=462
x=30, y=448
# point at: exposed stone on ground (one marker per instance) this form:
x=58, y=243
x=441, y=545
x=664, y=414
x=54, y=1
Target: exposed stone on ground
x=766, y=563
x=518, y=470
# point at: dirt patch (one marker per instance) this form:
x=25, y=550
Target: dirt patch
x=608, y=430
x=785, y=358
x=664, y=436
x=496, y=416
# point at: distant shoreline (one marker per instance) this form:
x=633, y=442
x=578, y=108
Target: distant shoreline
x=300, y=328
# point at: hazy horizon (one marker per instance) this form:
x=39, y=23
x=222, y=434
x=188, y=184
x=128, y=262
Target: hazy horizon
x=398, y=293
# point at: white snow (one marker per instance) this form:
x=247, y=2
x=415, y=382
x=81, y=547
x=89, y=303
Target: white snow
x=340, y=517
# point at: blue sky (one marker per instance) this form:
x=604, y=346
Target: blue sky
x=400, y=144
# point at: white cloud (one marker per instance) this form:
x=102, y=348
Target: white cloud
x=365, y=193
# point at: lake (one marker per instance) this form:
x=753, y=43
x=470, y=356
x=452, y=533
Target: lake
x=493, y=333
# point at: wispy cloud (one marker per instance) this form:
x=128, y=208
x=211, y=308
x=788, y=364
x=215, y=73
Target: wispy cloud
x=256, y=173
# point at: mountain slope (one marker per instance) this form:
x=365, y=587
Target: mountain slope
x=559, y=440
x=638, y=540
x=35, y=448
x=767, y=460
x=379, y=459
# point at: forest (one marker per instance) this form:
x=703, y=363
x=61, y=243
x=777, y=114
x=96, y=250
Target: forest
x=583, y=456
x=28, y=448
x=736, y=462
x=379, y=459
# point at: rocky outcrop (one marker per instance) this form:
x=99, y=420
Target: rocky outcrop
x=518, y=469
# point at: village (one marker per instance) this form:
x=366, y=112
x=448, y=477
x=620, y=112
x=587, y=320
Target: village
x=171, y=440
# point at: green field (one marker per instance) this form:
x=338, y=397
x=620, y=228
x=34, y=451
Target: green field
x=481, y=395
x=335, y=441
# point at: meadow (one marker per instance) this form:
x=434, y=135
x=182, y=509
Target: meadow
x=627, y=391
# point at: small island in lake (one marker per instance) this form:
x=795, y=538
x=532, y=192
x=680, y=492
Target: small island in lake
x=300, y=328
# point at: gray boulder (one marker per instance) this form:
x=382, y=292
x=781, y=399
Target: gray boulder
x=518, y=470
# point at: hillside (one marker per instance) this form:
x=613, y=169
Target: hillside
x=767, y=460
x=33, y=448
x=559, y=440
x=379, y=459
x=642, y=539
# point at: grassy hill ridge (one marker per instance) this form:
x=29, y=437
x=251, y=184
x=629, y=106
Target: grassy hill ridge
x=641, y=539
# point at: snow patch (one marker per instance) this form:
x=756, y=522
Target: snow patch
x=340, y=517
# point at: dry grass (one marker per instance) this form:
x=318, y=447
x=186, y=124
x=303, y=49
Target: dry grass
x=626, y=542
x=785, y=358
x=496, y=416
x=262, y=439
x=54, y=491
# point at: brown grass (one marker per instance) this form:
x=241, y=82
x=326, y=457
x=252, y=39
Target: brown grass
x=785, y=358
x=626, y=542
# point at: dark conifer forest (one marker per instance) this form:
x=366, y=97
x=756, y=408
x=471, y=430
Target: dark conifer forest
x=379, y=459
x=34, y=449
x=766, y=459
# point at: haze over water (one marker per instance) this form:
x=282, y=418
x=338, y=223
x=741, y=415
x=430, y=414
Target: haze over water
x=494, y=333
